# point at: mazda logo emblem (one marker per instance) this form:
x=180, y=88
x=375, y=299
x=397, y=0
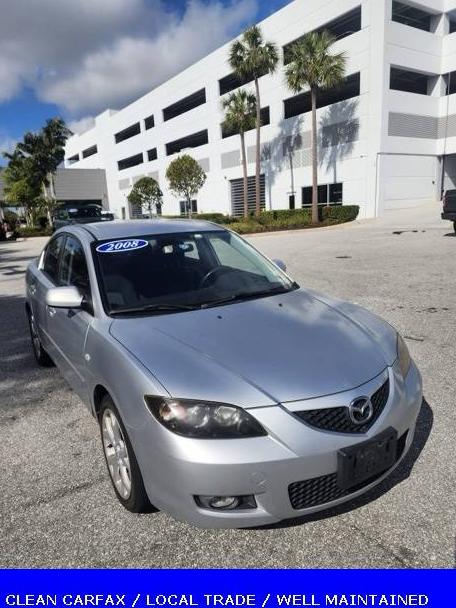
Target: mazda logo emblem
x=361, y=410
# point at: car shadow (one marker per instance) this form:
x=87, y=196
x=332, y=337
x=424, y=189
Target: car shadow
x=450, y=234
x=18, y=368
x=423, y=429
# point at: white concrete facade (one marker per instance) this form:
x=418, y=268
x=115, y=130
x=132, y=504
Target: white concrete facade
x=384, y=146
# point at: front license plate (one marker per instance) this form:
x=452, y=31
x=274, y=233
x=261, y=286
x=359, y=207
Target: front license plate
x=360, y=462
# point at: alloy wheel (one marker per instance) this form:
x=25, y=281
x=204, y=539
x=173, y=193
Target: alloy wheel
x=116, y=452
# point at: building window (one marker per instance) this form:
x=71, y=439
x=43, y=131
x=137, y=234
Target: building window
x=128, y=132
x=89, y=151
x=191, y=141
x=300, y=104
x=335, y=193
x=231, y=81
x=73, y=159
x=327, y=194
x=185, y=105
x=184, y=207
x=408, y=81
x=450, y=80
x=291, y=201
x=265, y=120
x=131, y=161
x=149, y=122
x=237, y=195
x=152, y=154
x=452, y=20
x=339, y=28
x=411, y=16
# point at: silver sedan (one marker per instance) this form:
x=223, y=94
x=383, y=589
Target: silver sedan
x=226, y=394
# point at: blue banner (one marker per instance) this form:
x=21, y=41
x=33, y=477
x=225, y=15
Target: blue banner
x=226, y=588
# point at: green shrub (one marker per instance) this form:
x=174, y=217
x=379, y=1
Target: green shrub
x=34, y=231
x=218, y=218
x=340, y=214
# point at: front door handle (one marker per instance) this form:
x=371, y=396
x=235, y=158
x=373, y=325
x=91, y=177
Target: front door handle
x=51, y=311
x=32, y=288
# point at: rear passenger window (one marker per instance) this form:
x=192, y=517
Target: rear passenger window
x=73, y=267
x=52, y=258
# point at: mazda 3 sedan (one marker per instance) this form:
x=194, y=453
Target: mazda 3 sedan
x=226, y=394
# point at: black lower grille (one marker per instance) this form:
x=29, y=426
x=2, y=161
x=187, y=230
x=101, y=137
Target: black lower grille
x=337, y=419
x=320, y=490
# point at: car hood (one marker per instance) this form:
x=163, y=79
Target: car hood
x=282, y=348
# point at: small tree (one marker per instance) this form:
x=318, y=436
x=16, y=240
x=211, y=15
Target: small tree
x=46, y=149
x=22, y=184
x=313, y=65
x=240, y=112
x=185, y=178
x=146, y=193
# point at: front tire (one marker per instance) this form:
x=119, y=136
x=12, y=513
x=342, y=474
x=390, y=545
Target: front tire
x=454, y=226
x=121, y=461
x=41, y=356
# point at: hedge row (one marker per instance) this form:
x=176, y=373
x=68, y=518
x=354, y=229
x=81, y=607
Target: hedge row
x=33, y=231
x=284, y=219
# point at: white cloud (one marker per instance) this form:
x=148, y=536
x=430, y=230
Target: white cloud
x=86, y=55
x=83, y=124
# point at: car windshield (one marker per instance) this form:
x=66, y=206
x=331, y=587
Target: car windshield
x=183, y=271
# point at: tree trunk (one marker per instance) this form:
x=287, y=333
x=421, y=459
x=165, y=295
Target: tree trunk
x=46, y=198
x=313, y=94
x=258, y=150
x=189, y=206
x=244, y=172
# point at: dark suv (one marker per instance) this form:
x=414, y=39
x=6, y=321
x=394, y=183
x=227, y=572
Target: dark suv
x=449, y=207
x=66, y=215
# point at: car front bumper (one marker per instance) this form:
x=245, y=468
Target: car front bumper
x=182, y=468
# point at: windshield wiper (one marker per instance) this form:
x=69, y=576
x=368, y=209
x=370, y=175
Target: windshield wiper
x=246, y=295
x=154, y=308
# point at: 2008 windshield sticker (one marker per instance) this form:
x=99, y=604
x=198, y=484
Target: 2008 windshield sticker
x=122, y=246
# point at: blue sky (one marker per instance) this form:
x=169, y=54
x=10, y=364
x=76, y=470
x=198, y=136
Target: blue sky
x=75, y=59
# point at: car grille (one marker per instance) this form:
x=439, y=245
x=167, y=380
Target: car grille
x=320, y=490
x=337, y=420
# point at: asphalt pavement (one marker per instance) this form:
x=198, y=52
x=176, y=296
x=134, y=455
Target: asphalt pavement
x=57, y=508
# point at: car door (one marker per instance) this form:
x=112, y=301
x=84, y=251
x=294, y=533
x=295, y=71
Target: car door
x=67, y=328
x=42, y=277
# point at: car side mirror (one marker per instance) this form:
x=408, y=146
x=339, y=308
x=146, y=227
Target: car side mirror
x=64, y=297
x=281, y=264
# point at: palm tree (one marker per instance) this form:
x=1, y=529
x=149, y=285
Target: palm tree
x=250, y=58
x=313, y=65
x=240, y=111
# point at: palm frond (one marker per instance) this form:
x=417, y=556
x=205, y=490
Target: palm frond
x=313, y=65
x=251, y=57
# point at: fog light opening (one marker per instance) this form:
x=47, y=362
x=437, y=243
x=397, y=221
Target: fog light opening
x=226, y=503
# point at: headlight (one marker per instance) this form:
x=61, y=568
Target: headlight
x=403, y=355
x=204, y=420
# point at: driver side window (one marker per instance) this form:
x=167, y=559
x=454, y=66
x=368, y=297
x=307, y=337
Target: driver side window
x=73, y=267
x=52, y=258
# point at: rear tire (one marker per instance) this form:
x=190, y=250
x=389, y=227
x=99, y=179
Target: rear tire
x=454, y=226
x=121, y=461
x=41, y=356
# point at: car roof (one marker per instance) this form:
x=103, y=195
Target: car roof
x=118, y=229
